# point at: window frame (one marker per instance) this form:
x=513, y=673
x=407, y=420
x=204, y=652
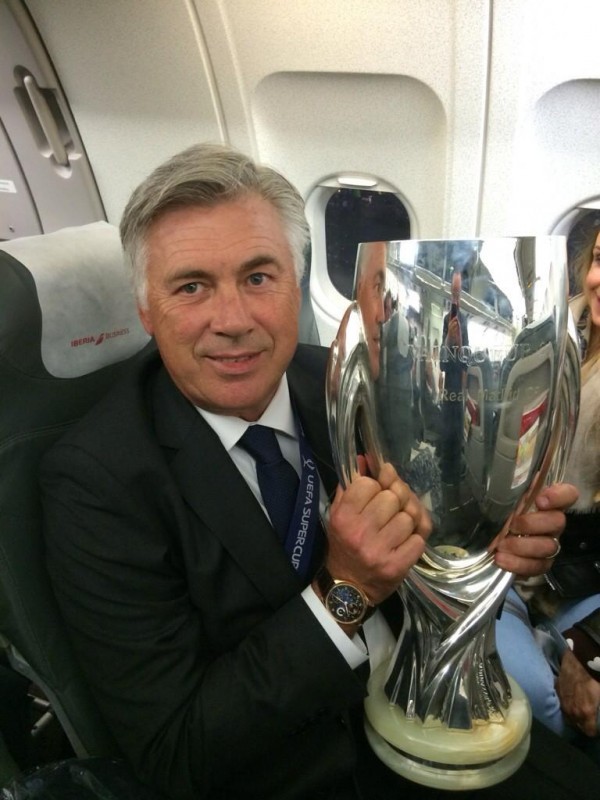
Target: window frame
x=329, y=304
x=565, y=225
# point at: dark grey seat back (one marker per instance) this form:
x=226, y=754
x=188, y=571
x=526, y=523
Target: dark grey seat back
x=68, y=328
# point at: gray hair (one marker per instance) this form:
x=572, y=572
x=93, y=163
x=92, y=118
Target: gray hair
x=206, y=175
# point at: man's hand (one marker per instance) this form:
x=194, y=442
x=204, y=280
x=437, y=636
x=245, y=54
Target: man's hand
x=377, y=531
x=533, y=538
x=579, y=695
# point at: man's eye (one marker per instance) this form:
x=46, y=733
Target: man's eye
x=257, y=278
x=189, y=288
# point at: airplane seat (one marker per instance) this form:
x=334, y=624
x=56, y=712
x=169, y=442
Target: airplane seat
x=68, y=328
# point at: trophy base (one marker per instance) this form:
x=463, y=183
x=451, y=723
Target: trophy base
x=433, y=755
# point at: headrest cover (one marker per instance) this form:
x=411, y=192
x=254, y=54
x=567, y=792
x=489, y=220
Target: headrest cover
x=89, y=316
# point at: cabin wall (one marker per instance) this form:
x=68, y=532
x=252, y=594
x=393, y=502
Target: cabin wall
x=481, y=115
x=312, y=88
x=542, y=154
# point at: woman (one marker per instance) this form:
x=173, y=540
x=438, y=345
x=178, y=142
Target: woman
x=562, y=689
x=584, y=465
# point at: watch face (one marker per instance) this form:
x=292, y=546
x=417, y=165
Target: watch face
x=346, y=603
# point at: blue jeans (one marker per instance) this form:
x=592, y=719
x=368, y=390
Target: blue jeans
x=520, y=647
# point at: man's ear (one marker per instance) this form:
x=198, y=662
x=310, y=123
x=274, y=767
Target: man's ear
x=145, y=320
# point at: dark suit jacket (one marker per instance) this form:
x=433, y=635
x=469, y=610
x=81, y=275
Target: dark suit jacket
x=213, y=674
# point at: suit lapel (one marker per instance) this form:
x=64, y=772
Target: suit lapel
x=202, y=468
x=308, y=396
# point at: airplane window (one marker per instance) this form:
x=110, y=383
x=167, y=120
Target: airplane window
x=357, y=215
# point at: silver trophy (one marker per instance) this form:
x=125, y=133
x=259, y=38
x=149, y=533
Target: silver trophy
x=456, y=362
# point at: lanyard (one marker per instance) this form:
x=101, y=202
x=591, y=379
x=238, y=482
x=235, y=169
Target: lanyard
x=304, y=524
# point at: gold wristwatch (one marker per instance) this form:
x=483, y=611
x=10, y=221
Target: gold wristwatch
x=346, y=603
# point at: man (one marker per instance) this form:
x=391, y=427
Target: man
x=454, y=367
x=206, y=639
x=389, y=347
x=370, y=290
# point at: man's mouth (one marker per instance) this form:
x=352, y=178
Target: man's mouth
x=233, y=364
x=233, y=359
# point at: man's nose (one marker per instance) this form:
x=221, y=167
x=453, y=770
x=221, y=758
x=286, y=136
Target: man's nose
x=231, y=313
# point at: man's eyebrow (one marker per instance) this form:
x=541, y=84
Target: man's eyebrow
x=261, y=260
x=188, y=274
x=197, y=273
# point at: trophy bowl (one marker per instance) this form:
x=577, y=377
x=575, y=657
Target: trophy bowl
x=455, y=362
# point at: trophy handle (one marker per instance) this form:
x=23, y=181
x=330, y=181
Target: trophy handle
x=350, y=397
x=567, y=410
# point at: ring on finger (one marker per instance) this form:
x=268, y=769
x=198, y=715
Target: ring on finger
x=557, y=551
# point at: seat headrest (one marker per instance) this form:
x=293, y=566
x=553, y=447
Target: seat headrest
x=69, y=291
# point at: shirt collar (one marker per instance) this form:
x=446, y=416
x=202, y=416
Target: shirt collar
x=278, y=415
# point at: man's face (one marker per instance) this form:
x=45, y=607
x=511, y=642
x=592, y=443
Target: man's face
x=370, y=292
x=223, y=303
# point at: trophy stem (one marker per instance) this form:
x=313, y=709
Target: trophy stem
x=446, y=667
x=442, y=712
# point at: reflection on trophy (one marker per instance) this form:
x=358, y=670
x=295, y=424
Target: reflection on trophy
x=448, y=364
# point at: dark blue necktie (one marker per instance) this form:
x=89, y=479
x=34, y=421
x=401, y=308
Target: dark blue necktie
x=277, y=479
